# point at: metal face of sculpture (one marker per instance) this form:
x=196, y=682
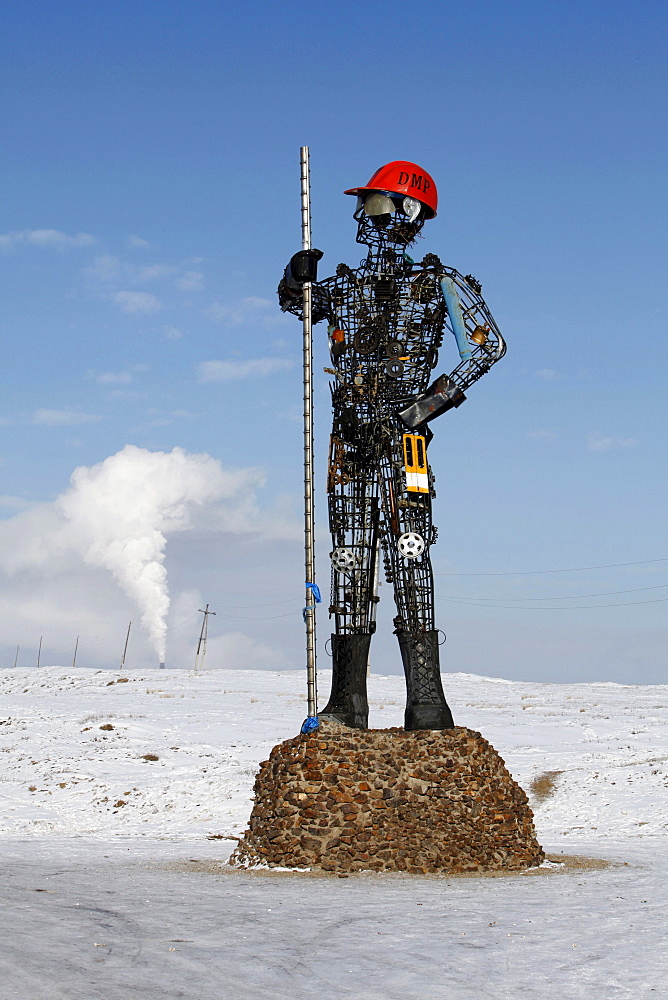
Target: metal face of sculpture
x=386, y=321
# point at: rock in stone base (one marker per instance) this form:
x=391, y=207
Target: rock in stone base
x=343, y=800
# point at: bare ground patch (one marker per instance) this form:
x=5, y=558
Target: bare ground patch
x=543, y=785
x=553, y=865
x=582, y=862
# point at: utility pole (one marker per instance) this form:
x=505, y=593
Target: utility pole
x=125, y=648
x=201, y=645
x=74, y=658
x=39, y=651
x=16, y=658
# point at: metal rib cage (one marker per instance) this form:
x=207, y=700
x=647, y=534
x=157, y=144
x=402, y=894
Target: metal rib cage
x=392, y=315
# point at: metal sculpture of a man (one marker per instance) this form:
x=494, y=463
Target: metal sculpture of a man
x=386, y=322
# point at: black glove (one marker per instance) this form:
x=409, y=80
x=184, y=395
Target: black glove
x=303, y=267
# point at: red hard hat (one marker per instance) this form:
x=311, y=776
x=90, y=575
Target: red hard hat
x=402, y=177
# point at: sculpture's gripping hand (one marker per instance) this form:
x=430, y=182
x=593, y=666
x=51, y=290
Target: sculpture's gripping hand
x=303, y=267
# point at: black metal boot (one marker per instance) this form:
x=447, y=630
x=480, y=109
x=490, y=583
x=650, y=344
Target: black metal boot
x=426, y=707
x=347, y=702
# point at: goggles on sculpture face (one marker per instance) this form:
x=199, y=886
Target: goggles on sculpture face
x=377, y=203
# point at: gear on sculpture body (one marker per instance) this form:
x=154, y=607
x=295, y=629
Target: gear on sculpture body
x=386, y=321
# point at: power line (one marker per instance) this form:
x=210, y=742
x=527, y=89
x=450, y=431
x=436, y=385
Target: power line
x=571, y=597
x=264, y=604
x=573, y=569
x=182, y=623
x=270, y=618
x=577, y=607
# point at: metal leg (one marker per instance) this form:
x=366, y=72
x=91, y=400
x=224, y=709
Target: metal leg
x=426, y=707
x=348, y=701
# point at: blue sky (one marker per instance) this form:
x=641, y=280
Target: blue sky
x=150, y=198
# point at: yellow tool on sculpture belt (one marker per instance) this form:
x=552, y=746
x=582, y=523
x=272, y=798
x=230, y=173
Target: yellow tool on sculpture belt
x=415, y=461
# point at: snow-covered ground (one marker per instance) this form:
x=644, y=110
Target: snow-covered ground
x=111, y=789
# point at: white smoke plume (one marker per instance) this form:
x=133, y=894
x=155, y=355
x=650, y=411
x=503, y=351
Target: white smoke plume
x=118, y=514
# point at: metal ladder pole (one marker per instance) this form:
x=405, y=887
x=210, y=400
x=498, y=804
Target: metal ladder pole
x=309, y=524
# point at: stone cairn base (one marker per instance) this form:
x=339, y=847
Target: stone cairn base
x=345, y=800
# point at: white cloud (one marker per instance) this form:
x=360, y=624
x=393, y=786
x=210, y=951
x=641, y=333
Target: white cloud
x=238, y=650
x=597, y=442
x=190, y=281
x=138, y=242
x=114, y=378
x=253, y=309
x=52, y=238
x=105, y=269
x=229, y=371
x=150, y=272
x=164, y=420
x=542, y=435
x=173, y=333
x=108, y=272
x=118, y=378
x=13, y=503
x=547, y=374
x=61, y=606
x=137, y=302
x=63, y=418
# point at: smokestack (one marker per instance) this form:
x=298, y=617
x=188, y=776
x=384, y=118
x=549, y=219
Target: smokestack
x=162, y=664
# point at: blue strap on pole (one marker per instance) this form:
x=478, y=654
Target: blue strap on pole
x=309, y=725
x=315, y=590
